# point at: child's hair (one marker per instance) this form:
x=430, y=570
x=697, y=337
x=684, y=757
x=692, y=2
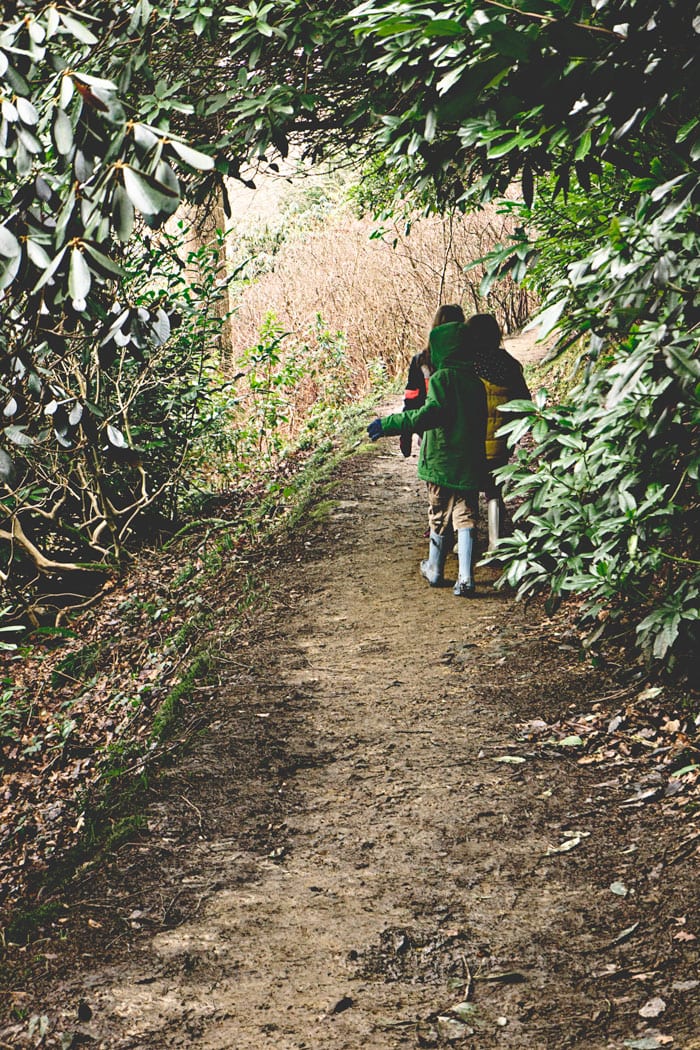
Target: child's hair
x=448, y=313
x=483, y=332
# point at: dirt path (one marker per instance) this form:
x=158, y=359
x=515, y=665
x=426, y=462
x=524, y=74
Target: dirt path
x=343, y=860
x=395, y=844
x=364, y=847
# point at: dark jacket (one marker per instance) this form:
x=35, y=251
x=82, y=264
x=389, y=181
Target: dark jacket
x=453, y=418
x=414, y=395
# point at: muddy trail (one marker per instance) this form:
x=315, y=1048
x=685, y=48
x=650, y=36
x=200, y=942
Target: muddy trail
x=364, y=849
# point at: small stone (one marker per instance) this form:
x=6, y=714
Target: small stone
x=343, y=1004
x=84, y=1011
x=653, y=1008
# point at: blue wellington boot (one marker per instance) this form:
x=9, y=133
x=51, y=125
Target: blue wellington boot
x=464, y=587
x=494, y=518
x=434, y=567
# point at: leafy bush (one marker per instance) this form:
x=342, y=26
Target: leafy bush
x=182, y=401
x=610, y=488
x=74, y=350
x=79, y=507
x=290, y=394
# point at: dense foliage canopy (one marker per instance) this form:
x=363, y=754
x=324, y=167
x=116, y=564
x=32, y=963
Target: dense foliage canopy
x=580, y=100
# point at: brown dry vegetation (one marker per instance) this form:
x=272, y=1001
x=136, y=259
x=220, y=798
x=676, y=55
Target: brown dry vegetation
x=381, y=291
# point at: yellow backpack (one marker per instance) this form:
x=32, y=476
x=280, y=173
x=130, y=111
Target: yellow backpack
x=496, y=448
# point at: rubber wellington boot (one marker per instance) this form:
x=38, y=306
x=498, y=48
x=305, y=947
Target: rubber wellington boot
x=464, y=587
x=494, y=516
x=434, y=567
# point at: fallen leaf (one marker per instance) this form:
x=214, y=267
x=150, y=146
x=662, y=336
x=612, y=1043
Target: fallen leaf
x=619, y=889
x=650, y=693
x=565, y=846
x=625, y=934
x=653, y=1008
x=685, y=770
x=537, y=725
x=609, y=970
x=507, y=977
x=642, y=796
x=463, y=1009
x=452, y=1031
x=513, y=760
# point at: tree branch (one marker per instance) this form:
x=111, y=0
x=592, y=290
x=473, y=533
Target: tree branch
x=550, y=18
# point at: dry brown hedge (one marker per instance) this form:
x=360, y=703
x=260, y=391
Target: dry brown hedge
x=381, y=292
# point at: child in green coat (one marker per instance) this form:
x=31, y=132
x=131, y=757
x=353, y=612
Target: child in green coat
x=452, y=459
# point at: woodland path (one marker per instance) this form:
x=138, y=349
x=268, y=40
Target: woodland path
x=341, y=859
x=399, y=857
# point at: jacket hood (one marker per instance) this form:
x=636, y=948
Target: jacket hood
x=448, y=345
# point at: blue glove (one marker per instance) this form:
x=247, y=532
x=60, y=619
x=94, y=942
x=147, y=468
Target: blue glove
x=375, y=429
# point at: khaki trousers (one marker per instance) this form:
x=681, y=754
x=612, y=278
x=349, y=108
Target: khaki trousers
x=449, y=506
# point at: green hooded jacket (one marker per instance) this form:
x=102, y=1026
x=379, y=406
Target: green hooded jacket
x=453, y=418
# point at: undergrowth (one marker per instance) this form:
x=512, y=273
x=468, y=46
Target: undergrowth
x=123, y=677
